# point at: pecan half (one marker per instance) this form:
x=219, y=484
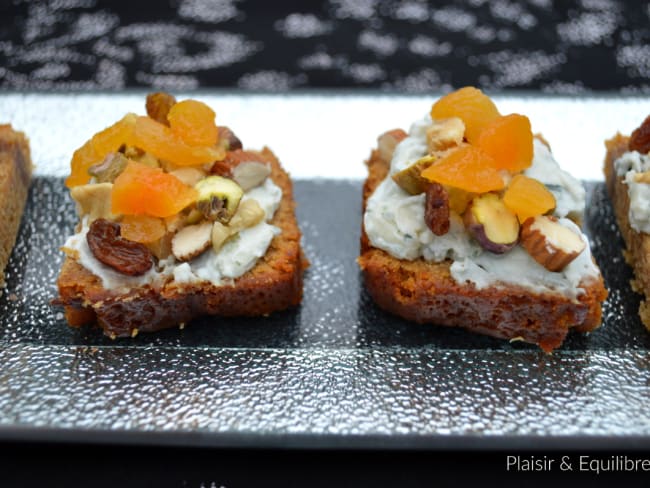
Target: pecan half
x=436, y=209
x=158, y=106
x=229, y=139
x=640, y=138
x=124, y=256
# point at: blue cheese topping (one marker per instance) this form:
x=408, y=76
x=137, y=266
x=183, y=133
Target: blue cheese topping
x=394, y=222
x=628, y=166
x=236, y=257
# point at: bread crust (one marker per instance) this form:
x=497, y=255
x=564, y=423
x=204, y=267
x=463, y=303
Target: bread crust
x=637, y=253
x=15, y=177
x=425, y=292
x=273, y=284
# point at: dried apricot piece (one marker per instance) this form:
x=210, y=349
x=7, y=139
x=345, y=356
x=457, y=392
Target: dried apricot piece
x=509, y=140
x=467, y=168
x=471, y=105
x=96, y=149
x=162, y=142
x=142, y=228
x=528, y=197
x=193, y=122
x=141, y=189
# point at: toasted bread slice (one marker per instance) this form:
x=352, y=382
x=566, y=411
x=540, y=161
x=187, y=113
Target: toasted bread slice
x=637, y=253
x=15, y=177
x=273, y=284
x=425, y=292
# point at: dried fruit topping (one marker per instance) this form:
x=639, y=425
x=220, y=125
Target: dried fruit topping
x=444, y=134
x=387, y=143
x=163, y=143
x=640, y=138
x=509, y=140
x=550, y=243
x=109, y=169
x=95, y=150
x=158, y=106
x=467, y=168
x=218, y=198
x=528, y=197
x=228, y=139
x=124, y=256
x=436, y=209
x=490, y=222
x=94, y=200
x=142, y=228
x=140, y=189
x=191, y=241
x=193, y=122
x=473, y=107
x=458, y=199
x=410, y=178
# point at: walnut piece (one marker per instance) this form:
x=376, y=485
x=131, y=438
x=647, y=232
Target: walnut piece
x=436, y=209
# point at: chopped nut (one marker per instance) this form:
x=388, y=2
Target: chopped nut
x=444, y=134
x=110, y=168
x=189, y=176
x=248, y=214
x=550, y=243
x=228, y=139
x=94, y=200
x=640, y=138
x=642, y=177
x=124, y=256
x=220, y=234
x=490, y=222
x=158, y=106
x=191, y=241
x=218, y=198
x=250, y=174
x=436, y=209
x=410, y=180
x=387, y=142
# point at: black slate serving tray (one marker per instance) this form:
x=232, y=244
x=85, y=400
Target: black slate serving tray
x=334, y=372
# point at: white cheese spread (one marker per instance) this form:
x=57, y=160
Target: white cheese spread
x=394, y=222
x=235, y=258
x=629, y=165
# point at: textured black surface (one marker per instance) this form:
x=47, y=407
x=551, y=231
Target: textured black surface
x=334, y=372
x=409, y=46
x=336, y=311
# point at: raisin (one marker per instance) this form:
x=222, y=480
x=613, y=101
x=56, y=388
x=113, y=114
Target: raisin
x=640, y=138
x=158, y=106
x=124, y=256
x=436, y=209
x=232, y=142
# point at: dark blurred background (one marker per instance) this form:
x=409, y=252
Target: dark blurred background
x=408, y=46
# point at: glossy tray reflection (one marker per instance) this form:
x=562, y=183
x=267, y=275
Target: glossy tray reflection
x=335, y=371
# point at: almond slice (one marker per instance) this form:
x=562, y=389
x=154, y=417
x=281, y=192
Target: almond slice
x=550, y=243
x=191, y=241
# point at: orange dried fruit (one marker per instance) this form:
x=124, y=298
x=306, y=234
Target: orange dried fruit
x=96, y=149
x=193, y=122
x=162, y=142
x=509, y=140
x=467, y=168
x=528, y=197
x=141, y=189
x=142, y=228
x=471, y=105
